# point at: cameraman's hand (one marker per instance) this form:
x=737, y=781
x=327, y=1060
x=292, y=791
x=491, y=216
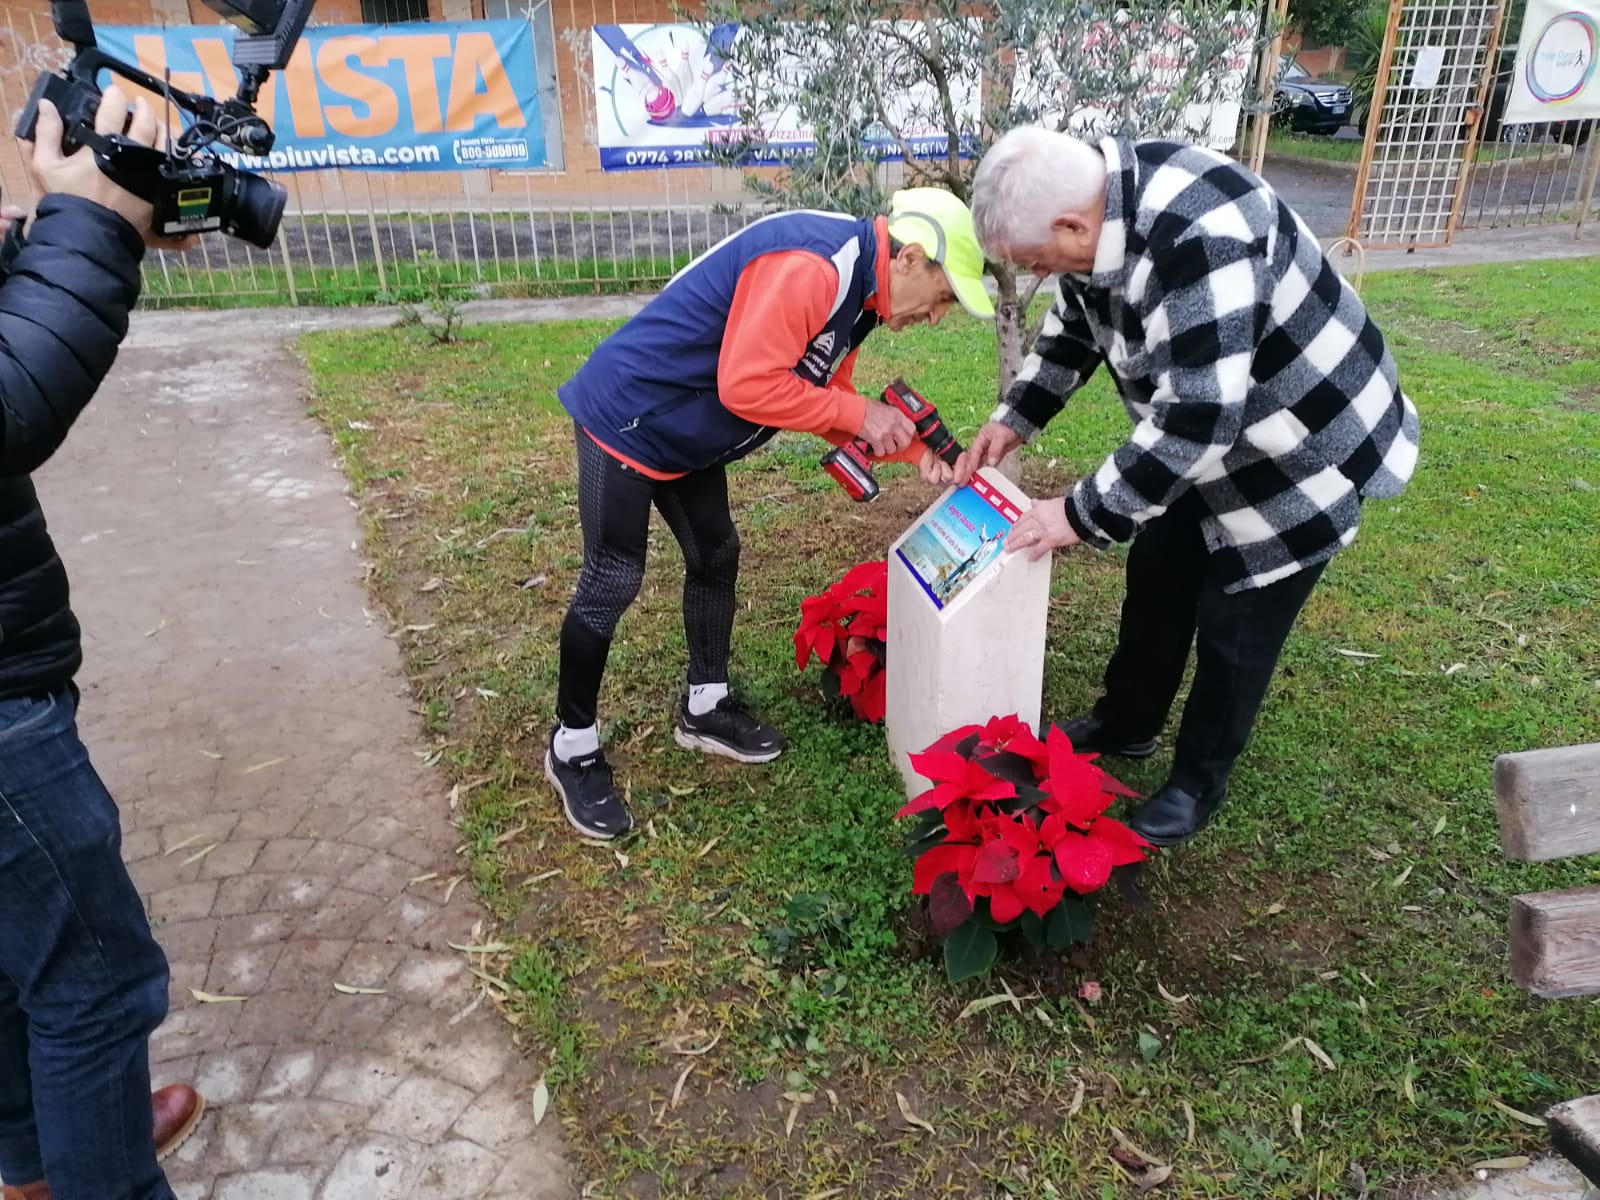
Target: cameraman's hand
x=886, y=429
x=77, y=174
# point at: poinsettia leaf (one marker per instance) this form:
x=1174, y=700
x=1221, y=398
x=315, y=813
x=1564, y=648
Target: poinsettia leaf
x=950, y=742
x=1069, y=924
x=938, y=861
x=940, y=766
x=936, y=797
x=1013, y=768
x=997, y=863
x=1085, y=862
x=948, y=906
x=969, y=952
x=1126, y=846
x=867, y=576
x=872, y=700
x=1040, y=885
x=1005, y=906
x=1032, y=926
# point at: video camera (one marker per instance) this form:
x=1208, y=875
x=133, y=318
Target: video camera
x=191, y=188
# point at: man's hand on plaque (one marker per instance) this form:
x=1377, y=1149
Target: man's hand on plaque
x=1043, y=528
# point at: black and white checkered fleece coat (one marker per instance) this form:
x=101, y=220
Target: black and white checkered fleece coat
x=1250, y=368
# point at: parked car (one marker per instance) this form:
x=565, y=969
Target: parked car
x=1307, y=104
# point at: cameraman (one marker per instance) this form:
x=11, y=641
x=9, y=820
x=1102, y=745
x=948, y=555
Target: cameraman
x=82, y=982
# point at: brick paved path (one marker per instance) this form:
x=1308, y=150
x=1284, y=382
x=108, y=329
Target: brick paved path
x=239, y=701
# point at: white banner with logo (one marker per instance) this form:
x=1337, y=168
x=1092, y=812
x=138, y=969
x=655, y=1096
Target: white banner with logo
x=1555, y=77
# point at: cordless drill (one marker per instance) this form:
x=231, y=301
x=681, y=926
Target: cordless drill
x=849, y=464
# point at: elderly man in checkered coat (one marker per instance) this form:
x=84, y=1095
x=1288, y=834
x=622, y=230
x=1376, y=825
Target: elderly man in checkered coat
x=1266, y=408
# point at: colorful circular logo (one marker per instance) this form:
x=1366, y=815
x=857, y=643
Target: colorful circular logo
x=1562, y=60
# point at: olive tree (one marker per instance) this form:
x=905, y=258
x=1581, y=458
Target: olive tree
x=933, y=85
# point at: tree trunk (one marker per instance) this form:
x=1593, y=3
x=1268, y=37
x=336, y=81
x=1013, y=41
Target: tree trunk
x=1011, y=333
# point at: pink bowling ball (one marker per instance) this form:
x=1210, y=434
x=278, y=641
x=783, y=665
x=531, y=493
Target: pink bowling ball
x=660, y=105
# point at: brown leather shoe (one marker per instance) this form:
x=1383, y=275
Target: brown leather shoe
x=177, y=1111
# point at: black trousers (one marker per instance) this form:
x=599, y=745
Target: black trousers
x=1174, y=600
x=614, y=504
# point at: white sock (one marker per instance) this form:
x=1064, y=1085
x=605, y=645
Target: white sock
x=575, y=743
x=703, y=697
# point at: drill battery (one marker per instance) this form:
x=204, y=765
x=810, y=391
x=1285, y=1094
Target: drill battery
x=850, y=464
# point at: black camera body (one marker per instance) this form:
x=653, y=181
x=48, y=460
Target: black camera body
x=188, y=184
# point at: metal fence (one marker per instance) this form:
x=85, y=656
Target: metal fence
x=355, y=236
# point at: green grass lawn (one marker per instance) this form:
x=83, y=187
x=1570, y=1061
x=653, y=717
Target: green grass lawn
x=742, y=999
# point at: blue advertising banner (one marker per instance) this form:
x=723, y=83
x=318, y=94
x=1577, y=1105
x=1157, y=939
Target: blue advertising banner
x=439, y=96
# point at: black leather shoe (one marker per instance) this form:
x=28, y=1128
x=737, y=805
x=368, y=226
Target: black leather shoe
x=1088, y=735
x=1173, y=816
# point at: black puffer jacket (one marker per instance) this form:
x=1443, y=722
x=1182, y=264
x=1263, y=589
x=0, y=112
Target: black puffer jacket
x=63, y=313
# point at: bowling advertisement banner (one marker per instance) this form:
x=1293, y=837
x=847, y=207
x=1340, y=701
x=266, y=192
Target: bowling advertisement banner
x=663, y=93
x=435, y=96
x=1555, y=78
x=955, y=542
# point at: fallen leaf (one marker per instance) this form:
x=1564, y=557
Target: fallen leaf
x=1170, y=998
x=1149, y=1045
x=157, y=629
x=188, y=841
x=1371, y=982
x=1454, y=667
x=1517, y=1114
x=677, y=1090
x=622, y=859
x=1501, y=1164
x=211, y=754
x=542, y=876
x=455, y=882
x=1188, y=1116
x=1296, y=1115
x=198, y=855
x=680, y=791
x=262, y=766
x=493, y=979
x=433, y=585
x=911, y=1118
x=488, y=693
x=1438, y=827
x=213, y=998
x=827, y=1195
x=541, y=1100
x=351, y=990
x=978, y=1006
x=1275, y=909
x=794, y=1115
x=484, y=948
x=1400, y=879
x=1355, y=653
x=1406, y=1084
x=1153, y=1178
x=1127, y=1144
x=1318, y=1053
x=707, y=848
x=1077, y=1100
x=677, y=1048
x=415, y=879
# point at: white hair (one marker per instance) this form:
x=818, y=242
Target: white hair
x=1029, y=177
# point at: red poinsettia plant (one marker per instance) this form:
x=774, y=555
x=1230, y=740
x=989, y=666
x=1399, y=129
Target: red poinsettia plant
x=845, y=627
x=1012, y=836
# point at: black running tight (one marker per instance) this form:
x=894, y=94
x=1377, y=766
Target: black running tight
x=614, y=507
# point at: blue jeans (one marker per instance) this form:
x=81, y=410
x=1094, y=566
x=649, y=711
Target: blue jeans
x=82, y=982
